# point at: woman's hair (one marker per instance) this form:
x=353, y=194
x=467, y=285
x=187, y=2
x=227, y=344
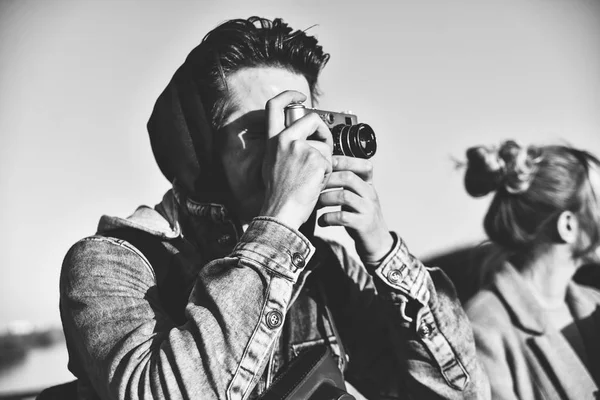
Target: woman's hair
x=247, y=43
x=533, y=186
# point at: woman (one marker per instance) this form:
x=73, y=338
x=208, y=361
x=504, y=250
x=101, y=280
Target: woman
x=536, y=330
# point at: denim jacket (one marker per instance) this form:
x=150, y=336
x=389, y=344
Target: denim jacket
x=226, y=310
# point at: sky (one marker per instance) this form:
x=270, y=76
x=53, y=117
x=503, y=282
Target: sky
x=78, y=80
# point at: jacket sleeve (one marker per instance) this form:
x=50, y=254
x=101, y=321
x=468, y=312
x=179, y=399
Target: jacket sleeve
x=407, y=331
x=130, y=349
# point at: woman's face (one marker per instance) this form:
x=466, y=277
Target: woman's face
x=593, y=256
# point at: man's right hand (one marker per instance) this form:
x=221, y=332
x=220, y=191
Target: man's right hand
x=295, y=168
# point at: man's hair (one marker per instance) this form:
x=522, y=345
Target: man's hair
x=246, y=43
x=527, y=204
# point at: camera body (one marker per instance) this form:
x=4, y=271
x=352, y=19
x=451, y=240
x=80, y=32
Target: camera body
x=350, y=138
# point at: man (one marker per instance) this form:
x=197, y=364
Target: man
x=214, y=291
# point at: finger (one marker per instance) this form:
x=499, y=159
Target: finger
x=275, y=110
x=352, y=182
x=360, y=166
x=311, y=125
x=339, y=218
x=340, y=197
x=317, y=153
x=325, y=151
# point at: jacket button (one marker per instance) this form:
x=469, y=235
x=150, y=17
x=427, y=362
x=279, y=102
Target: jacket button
x=394, y=276
x=425, y=330
x=274, y=319
x=298, y=260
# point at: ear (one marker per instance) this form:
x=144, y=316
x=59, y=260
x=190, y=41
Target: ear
x=567, y=227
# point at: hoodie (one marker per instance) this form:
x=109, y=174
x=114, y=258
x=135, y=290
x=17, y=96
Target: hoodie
x=218, y=313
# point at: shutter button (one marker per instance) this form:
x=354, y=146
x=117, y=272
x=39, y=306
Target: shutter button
x=395, y=276
x=298, y=260
x=274, y=319
x=425, y=330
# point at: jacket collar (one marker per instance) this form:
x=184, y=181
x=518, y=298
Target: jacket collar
x=548, y=343
x=526, y=310
x=523, y=306
x=215, y=212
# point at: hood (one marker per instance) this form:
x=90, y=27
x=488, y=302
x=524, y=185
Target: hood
x=185, y=149
x=182, y=139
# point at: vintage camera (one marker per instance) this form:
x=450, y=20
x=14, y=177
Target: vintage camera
x=349, y=137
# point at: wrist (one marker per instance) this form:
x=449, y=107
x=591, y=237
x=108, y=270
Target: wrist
x=285, y=216
x=378, y=253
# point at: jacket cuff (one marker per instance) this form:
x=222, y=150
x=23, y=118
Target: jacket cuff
x=275, y=246
x=402, y=272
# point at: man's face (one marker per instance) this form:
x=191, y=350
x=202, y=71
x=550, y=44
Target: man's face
x=244, y=136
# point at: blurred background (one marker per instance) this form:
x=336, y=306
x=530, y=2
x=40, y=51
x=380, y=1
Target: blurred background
x=78, y=80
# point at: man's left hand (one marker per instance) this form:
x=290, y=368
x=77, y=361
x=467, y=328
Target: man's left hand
x=352, y=188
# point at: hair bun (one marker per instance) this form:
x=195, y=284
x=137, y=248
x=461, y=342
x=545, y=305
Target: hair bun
x=485, y=171
x=511, y=167
x=521, y=166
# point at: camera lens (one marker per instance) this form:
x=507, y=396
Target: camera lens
x=354, y=141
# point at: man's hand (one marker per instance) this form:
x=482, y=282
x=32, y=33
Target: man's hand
x=296, y=169
x=361, y=215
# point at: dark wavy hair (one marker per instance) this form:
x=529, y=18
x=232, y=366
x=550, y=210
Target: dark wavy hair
x=533, y=187
x=246, y=43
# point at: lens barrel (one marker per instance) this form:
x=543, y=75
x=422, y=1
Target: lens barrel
x=354, y=141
